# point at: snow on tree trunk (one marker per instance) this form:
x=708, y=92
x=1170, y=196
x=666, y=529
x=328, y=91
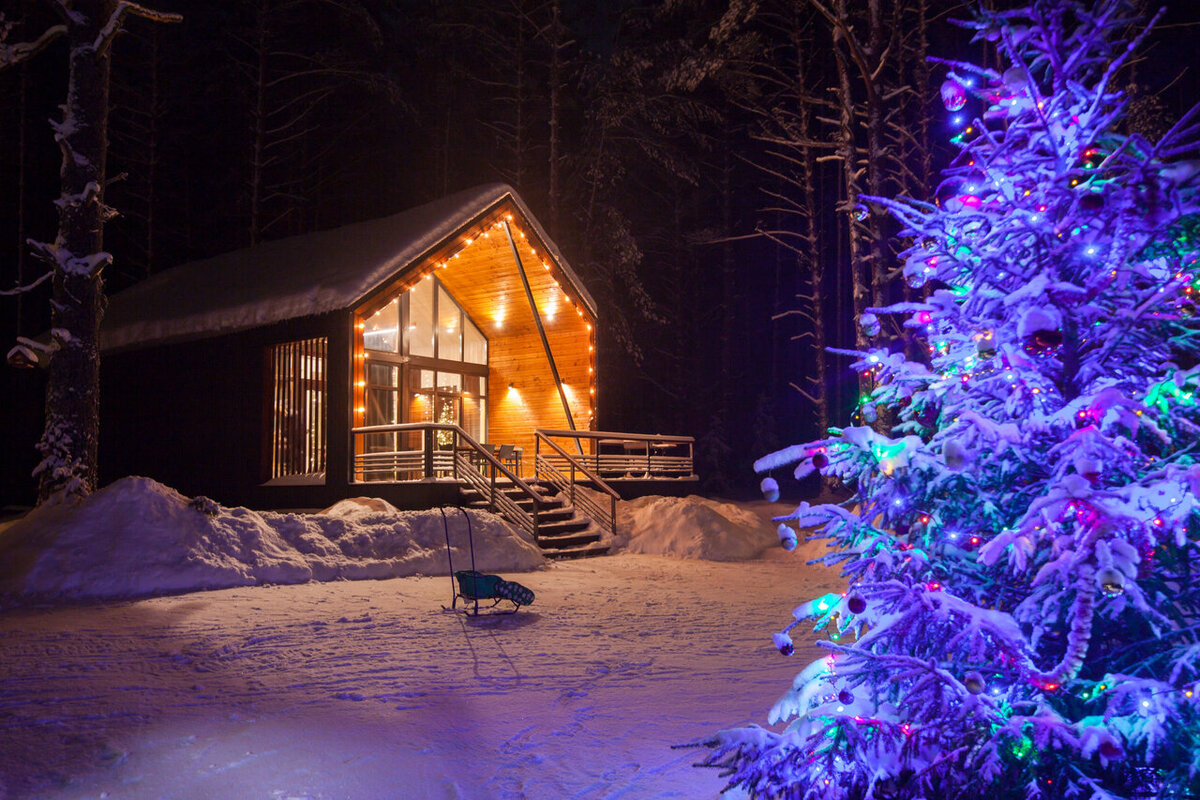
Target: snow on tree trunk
x=76, y=257
x=69, y=441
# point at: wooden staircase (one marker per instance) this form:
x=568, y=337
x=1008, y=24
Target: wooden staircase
x=561, y=531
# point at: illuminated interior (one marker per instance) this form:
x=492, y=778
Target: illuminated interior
x=425, y=361
x=421, y=353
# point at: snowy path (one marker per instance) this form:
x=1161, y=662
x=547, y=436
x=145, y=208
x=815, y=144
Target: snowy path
x=369, y=690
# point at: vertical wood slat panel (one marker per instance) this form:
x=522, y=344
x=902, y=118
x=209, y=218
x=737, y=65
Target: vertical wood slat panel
x=305, y=396
x=279, y=387
x=293, y=407
x=300, y=399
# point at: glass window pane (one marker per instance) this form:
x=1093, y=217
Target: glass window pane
x=382, y=375
x=449, y=329
x=472, y=405
x=420, y=396
x=471, y=385
x=381, y=407
x=474, y=345
x=420, y=319
x=422, y=379
x=420, y=407
x=383, y=328
x=449, y=382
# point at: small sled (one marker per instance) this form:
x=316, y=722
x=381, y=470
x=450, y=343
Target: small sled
x=472, y=586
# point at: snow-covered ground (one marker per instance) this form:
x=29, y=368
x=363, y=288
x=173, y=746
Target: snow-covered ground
x=368, y=688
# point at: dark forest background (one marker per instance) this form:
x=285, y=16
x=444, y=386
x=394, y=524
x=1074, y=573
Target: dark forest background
x=698, y=163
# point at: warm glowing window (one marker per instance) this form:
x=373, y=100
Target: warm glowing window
x=298, y=408
x=449, y=327
x=433, y=370
x=420, y=319
x=474, y=345
x=381, y=331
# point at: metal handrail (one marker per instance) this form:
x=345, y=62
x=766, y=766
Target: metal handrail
x=637, y=437
x=500, y=503
x=590, y=506
x=647, y=462
x=509, y=509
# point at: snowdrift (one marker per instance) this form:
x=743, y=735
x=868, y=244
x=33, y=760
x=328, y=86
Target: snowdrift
x=694, y=527
x=136, y=538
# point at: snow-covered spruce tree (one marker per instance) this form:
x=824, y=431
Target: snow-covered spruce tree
x=1021, y=618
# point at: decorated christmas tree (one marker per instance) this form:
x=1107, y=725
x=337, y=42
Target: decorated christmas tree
x=1021, y=618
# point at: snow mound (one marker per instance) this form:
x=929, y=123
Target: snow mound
x=136, y=538
x=694, y=527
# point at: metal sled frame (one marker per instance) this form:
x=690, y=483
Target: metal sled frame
x=472, y=586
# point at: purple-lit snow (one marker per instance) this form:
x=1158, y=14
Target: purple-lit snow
x=368, y=688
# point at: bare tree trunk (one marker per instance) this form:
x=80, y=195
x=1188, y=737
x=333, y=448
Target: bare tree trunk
x=76, y=257
x=859, y=267
x=876, y=155
x=259, y=122
x=810, y=254
x=153, y=153
x=69, y=441
x=22, y=155
x=555, y=179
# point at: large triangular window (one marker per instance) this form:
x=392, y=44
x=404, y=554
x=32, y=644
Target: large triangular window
x=425, y=360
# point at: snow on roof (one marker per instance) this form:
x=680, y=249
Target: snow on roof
x=299, y=276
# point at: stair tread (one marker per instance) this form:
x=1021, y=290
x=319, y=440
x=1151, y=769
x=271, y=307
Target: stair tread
x=576, y=552
x=563, y=532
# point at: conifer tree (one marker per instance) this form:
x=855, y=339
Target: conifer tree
x=1021, y=618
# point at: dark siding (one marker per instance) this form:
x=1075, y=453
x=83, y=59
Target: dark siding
x=192, y=415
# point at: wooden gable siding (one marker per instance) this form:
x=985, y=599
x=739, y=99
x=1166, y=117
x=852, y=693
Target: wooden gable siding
x=483, y=277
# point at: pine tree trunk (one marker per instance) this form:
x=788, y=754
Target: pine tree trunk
x=859, y=267
x=153, y=152
x=259, y=120
x=69, y=441
x=22, y=155
x=555, y=179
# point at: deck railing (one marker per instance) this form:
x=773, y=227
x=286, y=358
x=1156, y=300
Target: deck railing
x=418, y=451
x=561, y=469
x=618, y=456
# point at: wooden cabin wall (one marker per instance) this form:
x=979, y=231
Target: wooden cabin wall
x=485, y=280
x=534, y=401
x=195, y=416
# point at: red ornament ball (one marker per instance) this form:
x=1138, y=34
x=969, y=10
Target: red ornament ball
x=1046, y=339
x=820, y=460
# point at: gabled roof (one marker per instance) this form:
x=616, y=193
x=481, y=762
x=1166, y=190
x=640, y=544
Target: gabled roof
x=302, y=275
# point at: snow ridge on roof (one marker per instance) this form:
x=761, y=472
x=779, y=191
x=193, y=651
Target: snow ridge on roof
x=296, y=277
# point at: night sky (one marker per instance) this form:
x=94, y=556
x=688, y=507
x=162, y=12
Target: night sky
x=361, y=108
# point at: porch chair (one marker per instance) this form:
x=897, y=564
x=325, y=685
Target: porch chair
x=507, y=455
x=482, y=463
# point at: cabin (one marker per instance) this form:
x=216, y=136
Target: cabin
x=443, y=355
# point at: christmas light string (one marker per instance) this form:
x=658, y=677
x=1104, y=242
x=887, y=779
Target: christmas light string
x=1086, y=492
